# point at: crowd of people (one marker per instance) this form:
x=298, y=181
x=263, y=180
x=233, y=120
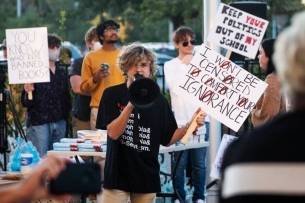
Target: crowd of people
x=101, y=80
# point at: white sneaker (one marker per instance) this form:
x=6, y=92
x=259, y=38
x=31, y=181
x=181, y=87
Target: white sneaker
x=177, y=201
x=200, y=201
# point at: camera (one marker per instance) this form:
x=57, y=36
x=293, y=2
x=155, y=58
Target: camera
x=78, y=178
x=105, y=65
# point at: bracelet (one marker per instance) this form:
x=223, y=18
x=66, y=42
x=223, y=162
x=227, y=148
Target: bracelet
x=187, y=125
x=186, y=128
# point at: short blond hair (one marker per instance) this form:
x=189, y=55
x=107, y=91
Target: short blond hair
x=91, y=34
x=132, y=54
x=289, y=56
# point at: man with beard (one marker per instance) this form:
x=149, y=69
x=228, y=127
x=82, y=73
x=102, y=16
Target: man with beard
x=96, y=76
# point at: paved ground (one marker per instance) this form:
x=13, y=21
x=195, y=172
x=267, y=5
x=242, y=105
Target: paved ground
x=211, y=198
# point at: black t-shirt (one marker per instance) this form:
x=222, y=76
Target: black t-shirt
x=81, y=103
x=125, y=168
x=280, y=140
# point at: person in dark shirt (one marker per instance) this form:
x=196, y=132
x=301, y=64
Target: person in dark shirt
x=131, y=167
x=268, y=164
x=49, y=108
x=81, y=104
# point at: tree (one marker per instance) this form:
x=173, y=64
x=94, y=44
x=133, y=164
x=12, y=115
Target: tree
x=148, y=20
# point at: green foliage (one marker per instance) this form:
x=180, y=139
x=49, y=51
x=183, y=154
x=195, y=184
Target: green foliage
x=62, y=26
x=173, y=10
x=145, y=20
x=14, y=110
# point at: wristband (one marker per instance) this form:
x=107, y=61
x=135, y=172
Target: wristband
x=187, y=125
x=186, y=128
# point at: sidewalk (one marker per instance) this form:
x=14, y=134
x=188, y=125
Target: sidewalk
x=211, y=198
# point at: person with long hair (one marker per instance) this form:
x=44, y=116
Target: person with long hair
x=272, y=102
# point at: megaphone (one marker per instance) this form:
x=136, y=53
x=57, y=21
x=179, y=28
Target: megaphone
x=143, y=92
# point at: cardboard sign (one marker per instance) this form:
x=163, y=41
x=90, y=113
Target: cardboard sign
x=225, y=142
x=27, y=55
x=237, y=31
x=222, y=89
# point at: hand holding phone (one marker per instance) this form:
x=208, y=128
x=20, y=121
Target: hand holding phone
x=105, y=66
x=84, y=178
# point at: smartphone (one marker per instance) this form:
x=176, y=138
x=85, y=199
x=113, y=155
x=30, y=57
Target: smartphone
x=105, y=65
x=78, y=178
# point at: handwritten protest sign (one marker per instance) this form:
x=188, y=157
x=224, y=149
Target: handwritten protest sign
x=225, y=142
x=237, y=31
x=222, y=89
x=28, y=58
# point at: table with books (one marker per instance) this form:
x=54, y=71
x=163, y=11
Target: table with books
x=89, y=143
x=76, y=147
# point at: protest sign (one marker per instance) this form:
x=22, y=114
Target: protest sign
x=237, y=31
x=27, y=55
x=225, y=142
x=222, y=89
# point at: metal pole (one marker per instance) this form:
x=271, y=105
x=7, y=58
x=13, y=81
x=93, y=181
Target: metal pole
x=273, y=26
x=18, y=8
x=209, y=11
x=170, y=31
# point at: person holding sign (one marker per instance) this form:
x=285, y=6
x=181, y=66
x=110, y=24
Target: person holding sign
x=49, y=108
x=184, y=39
x=272, y=102
x=96, y=76
x=269, y=164
x=135, y=134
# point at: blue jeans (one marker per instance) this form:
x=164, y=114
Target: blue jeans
x=199, y=172
x=207, y=127
x=43, y=136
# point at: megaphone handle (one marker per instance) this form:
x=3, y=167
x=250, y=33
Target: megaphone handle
x=30, y=95
x=190, y=130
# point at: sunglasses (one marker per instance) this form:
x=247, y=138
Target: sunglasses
x=186, y=43
x=112, y=30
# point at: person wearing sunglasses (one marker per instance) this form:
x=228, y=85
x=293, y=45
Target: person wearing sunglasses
x=184, y=41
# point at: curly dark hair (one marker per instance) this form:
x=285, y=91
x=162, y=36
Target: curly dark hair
x=54, y=40
x=103, y=25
